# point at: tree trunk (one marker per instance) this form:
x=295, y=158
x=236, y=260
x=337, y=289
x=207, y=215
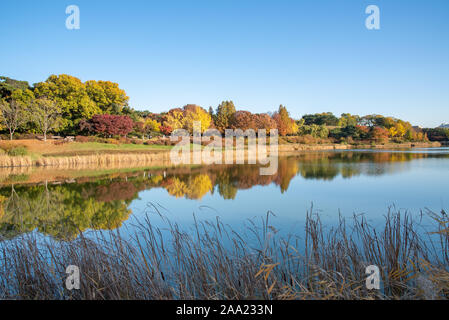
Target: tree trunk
x=45, y=136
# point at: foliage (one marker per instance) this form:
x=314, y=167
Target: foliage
x=325, y=118
x=79, y=102
x=285, y=124
x=379, y=134
x=69, y=93
x=12, y=115
x=111, y=125
x=437, y=134
x=107, y=95
x=314, y=130
x=46, y=115
x=224, y=115
x=348, y=119
x=193, y=113
x=8, y=86
x=264, y=121
x=243, y=120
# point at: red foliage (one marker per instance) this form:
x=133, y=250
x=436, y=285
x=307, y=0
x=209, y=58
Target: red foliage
x=109, y=125
x=264, y=121
x=243, y=120
x=379, y=134
x=363, y=129
x=166, y=130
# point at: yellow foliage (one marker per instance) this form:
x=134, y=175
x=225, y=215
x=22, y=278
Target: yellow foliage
x=198, y=114
x=152, y=125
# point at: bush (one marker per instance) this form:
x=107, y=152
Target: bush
x=137, y=141
x=17, y=151
x=82, y=139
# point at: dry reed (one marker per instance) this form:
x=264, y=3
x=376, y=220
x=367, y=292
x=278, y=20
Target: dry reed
x=216, y=262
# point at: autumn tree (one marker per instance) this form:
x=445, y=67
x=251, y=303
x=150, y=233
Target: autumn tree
x=193, y=113
x=379, y=134
x=174, y=119
x=71, y=95
x=264, y=121
x=12, y=115
x=243, y=120
x=107, y=95
x=46, y=115
x=110, y=125
x=224, y=114
x=348, y=119
x=285, y=124
x=152, y=126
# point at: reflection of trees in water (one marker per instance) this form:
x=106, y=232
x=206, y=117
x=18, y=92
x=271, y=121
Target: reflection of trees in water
x=62, y=211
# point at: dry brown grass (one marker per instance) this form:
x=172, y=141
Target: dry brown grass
x=115, y=160
x=36, y=146
x=215, y=262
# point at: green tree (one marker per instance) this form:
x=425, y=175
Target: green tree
x=8, y=86
x=107, y=95
x=71, y=95
x=348, y=119
x=223, y=117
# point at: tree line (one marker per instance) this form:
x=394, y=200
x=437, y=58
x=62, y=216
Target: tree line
x=65, y=105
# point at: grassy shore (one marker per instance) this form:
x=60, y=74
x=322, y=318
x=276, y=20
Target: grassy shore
x=215, y=262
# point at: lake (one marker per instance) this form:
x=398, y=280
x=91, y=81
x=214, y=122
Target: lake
x=62, y=204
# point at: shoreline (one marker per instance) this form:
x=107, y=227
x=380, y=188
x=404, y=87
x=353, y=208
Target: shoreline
x=125, y=158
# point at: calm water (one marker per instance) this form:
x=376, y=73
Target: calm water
x=363, y=181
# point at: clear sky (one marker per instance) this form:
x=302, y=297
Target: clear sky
x=312, y=56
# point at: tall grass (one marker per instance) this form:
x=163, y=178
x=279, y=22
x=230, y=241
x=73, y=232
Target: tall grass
x=215, y=262
x=83, y=160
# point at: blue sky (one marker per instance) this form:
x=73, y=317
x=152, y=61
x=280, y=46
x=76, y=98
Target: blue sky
x=312, y=56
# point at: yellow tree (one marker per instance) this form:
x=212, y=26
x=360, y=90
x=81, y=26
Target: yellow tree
x=152, y=126
x=174, y=119
x=194, y=113
x=107, y=95
x=71, y=95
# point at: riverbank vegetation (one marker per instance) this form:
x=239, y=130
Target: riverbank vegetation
x=215, y=262
x=66, y=106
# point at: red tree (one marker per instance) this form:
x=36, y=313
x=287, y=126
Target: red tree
x=264, y=121
x=166, y=130
x=110, y=125
x=379, y=134
x=243, y=120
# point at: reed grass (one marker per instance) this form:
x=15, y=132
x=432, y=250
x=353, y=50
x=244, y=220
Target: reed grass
x=102, y=160
x=212, y=261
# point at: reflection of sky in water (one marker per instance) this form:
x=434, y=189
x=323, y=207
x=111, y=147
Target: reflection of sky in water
x=334, y=182
x=412, y=186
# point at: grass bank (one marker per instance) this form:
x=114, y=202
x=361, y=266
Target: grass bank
x=328, y=263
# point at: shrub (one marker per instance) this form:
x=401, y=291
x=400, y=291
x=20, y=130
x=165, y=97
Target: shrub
x=137, y=141
x=17, y=151
x=82, y=139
